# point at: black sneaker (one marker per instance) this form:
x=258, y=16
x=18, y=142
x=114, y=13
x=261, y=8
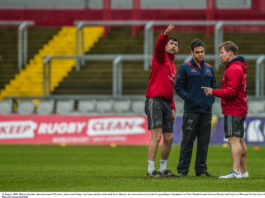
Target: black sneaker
x=154, y=174
x=168, y=173
x=204, y=174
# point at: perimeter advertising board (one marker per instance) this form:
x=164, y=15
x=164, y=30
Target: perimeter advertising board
x=105, y=130
x=57, y=129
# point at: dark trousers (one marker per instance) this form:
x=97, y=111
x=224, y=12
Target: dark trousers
x=195, y=125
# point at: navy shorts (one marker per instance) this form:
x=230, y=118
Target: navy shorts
x=234, y=126
x=159, y=114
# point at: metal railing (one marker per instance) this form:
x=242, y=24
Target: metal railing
x=260, y=76
x=80, y=52
x=218, y=34
x=149, y=33
x=116, y=69
x=22, y=46
x=117, y=65
x=47, y=72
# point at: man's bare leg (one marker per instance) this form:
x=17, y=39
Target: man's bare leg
x=152, y=148
x=166, y=147
x=236, y=151
x=243, y=160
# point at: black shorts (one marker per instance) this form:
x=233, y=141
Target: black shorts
x=234, y=126
x=159, y=114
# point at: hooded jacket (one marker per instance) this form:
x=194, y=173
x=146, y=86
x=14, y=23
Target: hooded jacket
x=190, y=79
x=162, y=76
x=234, y=87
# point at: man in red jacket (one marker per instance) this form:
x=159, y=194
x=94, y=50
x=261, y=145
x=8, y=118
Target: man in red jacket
x=159, y=104
x=234, y=106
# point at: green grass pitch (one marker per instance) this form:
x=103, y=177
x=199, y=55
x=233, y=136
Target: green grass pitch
x=43, y=168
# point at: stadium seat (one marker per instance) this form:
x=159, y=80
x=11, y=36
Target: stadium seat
x=86, y=106
x=138, y=107
x=256, y=107
x=122, y=106
x=179, y=107
x=65, y=106
x=216, y=109
x=5, y=107
x=104, y=106
x=26, y=107
x=45, y=107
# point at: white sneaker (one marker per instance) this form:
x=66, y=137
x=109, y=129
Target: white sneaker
x=245, y=175
x=231, y=175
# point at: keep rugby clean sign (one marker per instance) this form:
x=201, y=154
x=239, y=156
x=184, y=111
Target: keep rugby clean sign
x=59, y=129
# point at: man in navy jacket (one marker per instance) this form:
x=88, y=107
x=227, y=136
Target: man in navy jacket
x=197, y=116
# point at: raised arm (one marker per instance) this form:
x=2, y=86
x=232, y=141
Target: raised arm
x=161, y=44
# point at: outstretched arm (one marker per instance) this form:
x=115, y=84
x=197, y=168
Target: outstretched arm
x=161, y=44
x=233, y=79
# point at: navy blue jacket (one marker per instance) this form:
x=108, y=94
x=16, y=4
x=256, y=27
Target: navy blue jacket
x=190, y=79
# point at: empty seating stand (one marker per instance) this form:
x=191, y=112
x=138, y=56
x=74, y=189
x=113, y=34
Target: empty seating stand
x=37, y=37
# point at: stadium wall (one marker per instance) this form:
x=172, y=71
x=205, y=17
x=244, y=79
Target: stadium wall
x=58, y=17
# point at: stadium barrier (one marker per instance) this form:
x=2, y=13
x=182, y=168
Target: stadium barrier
x=105, y=130
x=117, y=69
x=22, y=46
x=149, y=32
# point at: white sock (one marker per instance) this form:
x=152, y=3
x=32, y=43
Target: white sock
x=151, y=166
x=163, y=165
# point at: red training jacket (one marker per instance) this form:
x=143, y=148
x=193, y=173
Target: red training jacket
x=234, y=87
x=162, y=77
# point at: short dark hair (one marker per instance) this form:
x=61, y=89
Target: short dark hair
x=173, y=39
x=229, y=46
x=196, y=43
